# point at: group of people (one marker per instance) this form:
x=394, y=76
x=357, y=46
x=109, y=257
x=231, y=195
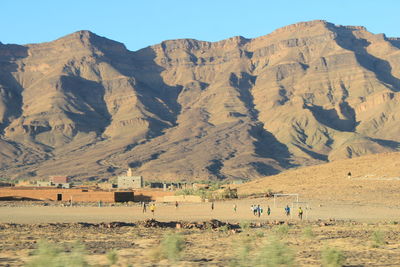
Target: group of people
x=152, y=207
x=300, y=212
x=258, y=210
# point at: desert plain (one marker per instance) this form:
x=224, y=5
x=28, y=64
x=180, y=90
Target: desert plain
x=135, y=236
x=357, y=217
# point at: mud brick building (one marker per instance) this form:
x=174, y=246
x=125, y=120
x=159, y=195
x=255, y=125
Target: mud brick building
x=59, y=179
x=129, y=181
x=59, y=194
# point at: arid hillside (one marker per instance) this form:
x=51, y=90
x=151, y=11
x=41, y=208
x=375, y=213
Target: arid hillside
x=305, y=94
x=374, y=180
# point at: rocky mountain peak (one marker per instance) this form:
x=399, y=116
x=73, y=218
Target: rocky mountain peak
x=239, y=108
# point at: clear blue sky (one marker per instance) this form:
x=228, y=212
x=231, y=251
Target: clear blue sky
x=139, y=23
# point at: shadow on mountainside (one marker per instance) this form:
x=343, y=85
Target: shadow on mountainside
x=10, y=88
x=157, y=97
x=266, y=144
x=380, y=67
x=387, y=143
x=395, y=42
x=330, y=117
x=88, y=99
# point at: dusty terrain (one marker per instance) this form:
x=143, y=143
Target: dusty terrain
x=308, y=93
x=343, y=212
x=135, y=244
x=375, y=180
x=223, y=211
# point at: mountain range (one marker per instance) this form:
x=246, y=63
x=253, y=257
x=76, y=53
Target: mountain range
x=305, y=94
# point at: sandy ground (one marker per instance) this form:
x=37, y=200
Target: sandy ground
x=137, y=245
x=199, y=211
x=374, y=180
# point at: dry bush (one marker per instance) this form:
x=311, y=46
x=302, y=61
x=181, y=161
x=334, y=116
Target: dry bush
x=282, y=230
x=332, y=257
x=171, y=248
x=377, y=238
x=274, y=253
x=242, y=257
x=308, y=232
x=52, y=255
x=244, y=225
x=112, y=257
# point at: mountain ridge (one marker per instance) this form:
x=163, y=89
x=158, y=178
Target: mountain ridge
x=238, y=108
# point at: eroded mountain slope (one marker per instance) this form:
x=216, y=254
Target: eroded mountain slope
x=307, y=93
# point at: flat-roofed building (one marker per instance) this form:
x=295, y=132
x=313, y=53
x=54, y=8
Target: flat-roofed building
x=129, y=181
x=59, y=179
x=44, y=184
x=61, y=194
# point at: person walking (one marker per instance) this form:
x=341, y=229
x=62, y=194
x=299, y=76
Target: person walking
x=259, y=210
x=212, y=205
x=287, y=210
x=300, y=213
x=268, y=211
x=144, y=207
x=234, y=207
x=176, y=205
x=152, y=208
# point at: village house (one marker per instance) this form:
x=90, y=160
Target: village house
x=129, y=181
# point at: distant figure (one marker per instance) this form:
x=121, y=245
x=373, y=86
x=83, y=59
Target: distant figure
x=152, y=208
x=300, y=213
x=259, y=211
x=234, y=207
x=212, y=205
x=176, y=205
x=100, y=203
x=287, y=210
x=268, y=211
x=349, y=175
x=254, y=210
x=144, y=206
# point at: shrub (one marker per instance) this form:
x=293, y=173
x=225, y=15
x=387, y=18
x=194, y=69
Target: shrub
x=332, y=257
x=378, y=239
x=224, y=228
x=259, y=234
x=242, y=258
x=308, y=232
x=229, y=193
x=185, y=192
x=51, y=255
x=269, y=193
x=281, y=230
x=244, y=225
x=112, y=257
x=275, y=253
x=171, y=246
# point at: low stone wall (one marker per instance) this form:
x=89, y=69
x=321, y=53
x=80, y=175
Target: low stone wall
x=75, y=195
x=182, y=198
x=150, y=195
